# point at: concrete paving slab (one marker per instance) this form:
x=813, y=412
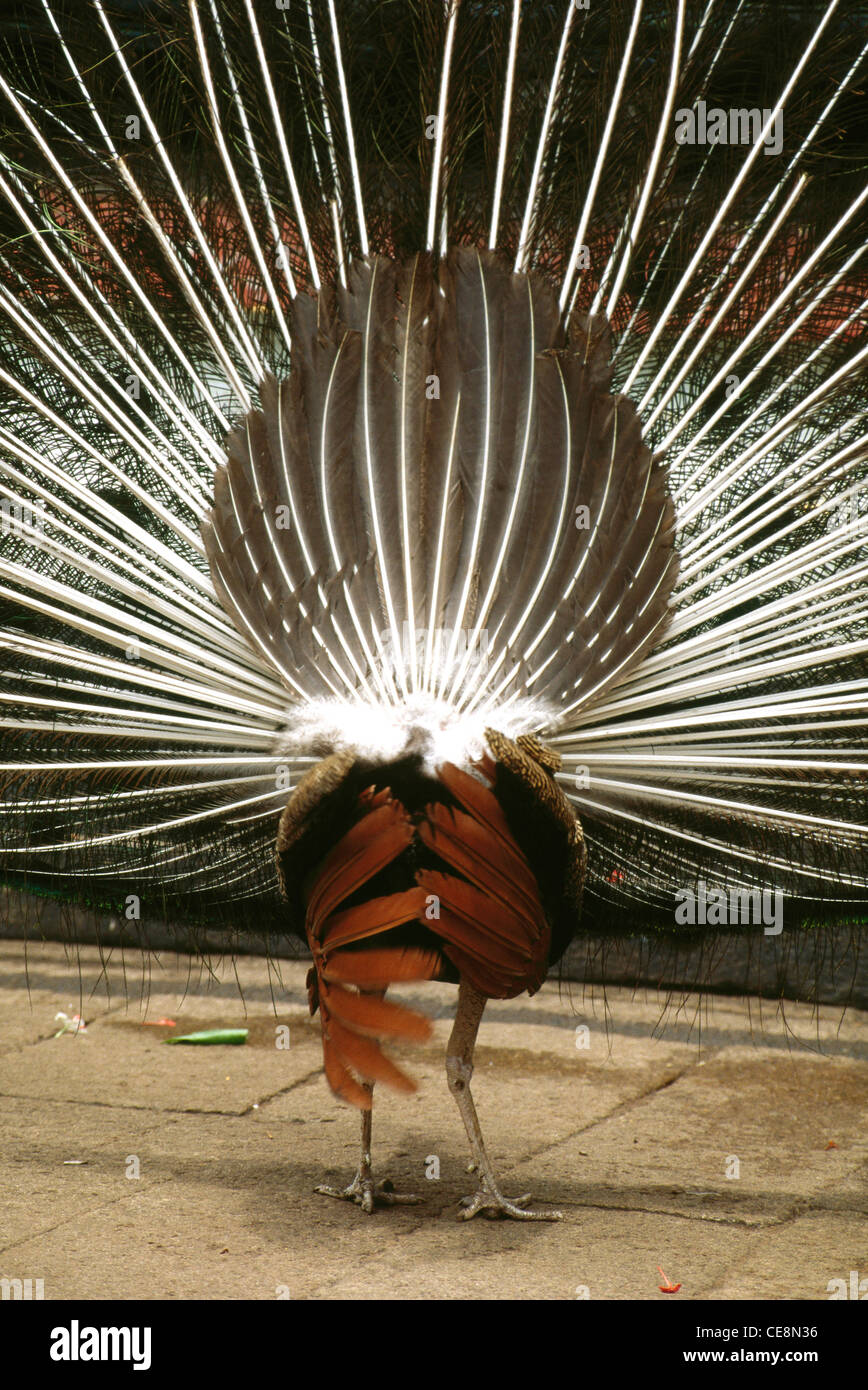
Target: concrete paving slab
x=137, y=1171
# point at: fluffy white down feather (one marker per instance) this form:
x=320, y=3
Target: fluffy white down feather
x=422, y=724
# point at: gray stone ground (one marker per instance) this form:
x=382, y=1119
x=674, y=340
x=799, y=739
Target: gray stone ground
x=630, y=1137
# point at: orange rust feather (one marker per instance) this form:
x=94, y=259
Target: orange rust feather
x=478, y=855
x=491, y=924
x=481, y=803
x=375, y=1017
x=385, y=967
x=356, y=858
x=365, y=1057
x=341, y=1080
x=490, y=915
x=483, y=977
x=369, y=918
x=504, y=959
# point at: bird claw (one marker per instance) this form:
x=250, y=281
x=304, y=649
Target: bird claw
x=495, y=1207
x=368, y=1194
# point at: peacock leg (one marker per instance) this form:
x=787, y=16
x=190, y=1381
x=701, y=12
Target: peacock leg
x=459, y=1069
x=366, y=1193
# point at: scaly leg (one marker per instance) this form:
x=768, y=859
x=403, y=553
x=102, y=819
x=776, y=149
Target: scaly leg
x=363, y=1190
x=459, y=1070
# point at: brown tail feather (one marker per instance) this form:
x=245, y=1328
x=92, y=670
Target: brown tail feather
x=480, y=802
x=504, y=924
x=474, y=852
x=376, y=915
x=356, y=859
x=493, y=925
x=369, y=969
x=484, y=978
x=375, y=1017
x=353, y=1023
x=342, y=1082
x=365, y=1057
x=500, y=960
x=490, y=920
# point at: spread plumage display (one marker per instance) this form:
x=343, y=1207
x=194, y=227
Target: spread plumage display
x=433, y=455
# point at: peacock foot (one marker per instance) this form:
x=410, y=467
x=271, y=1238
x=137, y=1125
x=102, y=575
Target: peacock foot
x=494, y=1206
x=368, y=1194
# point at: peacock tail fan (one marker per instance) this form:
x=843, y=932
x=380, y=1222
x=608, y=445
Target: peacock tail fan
x=389, y=379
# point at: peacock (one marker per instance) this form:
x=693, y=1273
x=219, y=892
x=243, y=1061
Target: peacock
x=434, y=482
